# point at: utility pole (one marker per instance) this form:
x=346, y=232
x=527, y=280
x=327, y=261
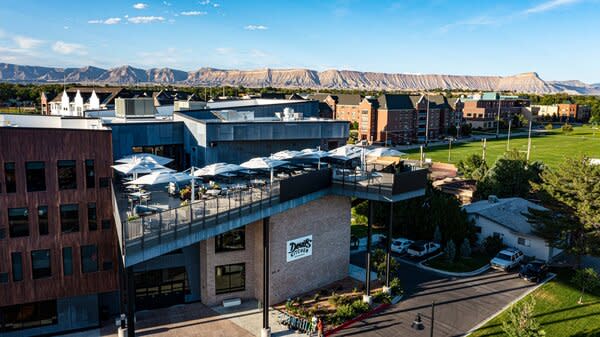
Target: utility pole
x=432, y=318
x=498, y=116
x=427, y=121
x=529, y=142
x=484, y=148
x=449, y=147
x=508, y=139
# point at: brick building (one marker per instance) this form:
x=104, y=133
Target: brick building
x=58, y=248
x=481, y=111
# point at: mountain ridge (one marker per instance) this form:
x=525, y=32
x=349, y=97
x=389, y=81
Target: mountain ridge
x=292, y=78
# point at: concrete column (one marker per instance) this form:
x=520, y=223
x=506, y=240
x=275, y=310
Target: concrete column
x=130, y=303
x=367, y=296
x=266, y=330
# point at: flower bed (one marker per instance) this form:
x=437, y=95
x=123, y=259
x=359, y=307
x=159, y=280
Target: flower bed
x=336, y=303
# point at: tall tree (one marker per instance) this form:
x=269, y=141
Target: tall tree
x=472, y=167
x=572, y=193
x=510, y=176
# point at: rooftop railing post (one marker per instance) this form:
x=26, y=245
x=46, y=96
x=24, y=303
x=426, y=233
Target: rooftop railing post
x=143, y=232
x=251, y=193
x=191, y=219
x=160, y=225
x=240, y=205
x=229, y=206
x=203, y=213
x=176, y=223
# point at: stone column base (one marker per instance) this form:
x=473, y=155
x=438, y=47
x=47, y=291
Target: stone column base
x=368, y=299
x=386, y=290
x=265, y=332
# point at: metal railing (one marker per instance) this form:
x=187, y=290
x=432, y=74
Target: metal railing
x=381, y=184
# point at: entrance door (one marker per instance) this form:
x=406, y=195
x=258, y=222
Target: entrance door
x=160, y=288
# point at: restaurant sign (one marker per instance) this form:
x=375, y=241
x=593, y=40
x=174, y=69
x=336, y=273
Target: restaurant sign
x=299, y=248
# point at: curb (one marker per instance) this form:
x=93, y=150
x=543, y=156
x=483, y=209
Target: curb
x=356, y=319
x=484, y=322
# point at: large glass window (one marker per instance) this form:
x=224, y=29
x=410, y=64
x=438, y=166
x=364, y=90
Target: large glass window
x=10, y=177
x=231, y=241
x=17, y=266
x=67, y=253
x=230, y=278
x=43, y=219
x=67, y=175
x=29, y=315
x=92, y=222
x=40, y=264
x=18, y=222
x=69, y=218
x=89, y=259
x=90, y=174
x=35, y=173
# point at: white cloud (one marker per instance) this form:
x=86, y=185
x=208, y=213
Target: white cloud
x=476, y=21
x=547, y=6
x=109, y=21
x=140, y=5
x=256, y=27
x=193, y=13
x=65, y=48
x=145, y=19
x=205, y=2
x=25, y=42
x=216, y=5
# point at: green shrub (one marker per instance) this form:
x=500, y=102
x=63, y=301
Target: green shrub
x=465, y=248
x=549, y=126
x=566, y=128
x=381, y=297
x=334, y=299
x=492, y=245
x=396, y=286
x=348, y=311
x=317, y=297
x=450, y=251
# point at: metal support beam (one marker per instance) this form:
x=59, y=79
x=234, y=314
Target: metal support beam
x=130, y=303
x=388, y=255
x=266, y=330
x=369, y=234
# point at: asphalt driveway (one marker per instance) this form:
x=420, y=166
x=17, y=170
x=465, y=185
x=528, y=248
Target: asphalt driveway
x=461, y=303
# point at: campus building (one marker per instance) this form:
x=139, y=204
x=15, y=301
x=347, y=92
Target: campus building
x=482, y=111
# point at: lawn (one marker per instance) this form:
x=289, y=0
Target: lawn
x=462, y=265
x=557, y=311
x=550, y=149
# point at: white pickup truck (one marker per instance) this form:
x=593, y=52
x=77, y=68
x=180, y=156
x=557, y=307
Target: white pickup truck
x=422, y=248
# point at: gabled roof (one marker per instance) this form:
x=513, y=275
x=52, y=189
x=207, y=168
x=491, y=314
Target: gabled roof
x=507, y=212
x=347, y=99
x=440, y=101
x=318, y=96
x=397, y=101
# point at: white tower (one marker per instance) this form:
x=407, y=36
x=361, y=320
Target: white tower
x=78, y=111
x=94, y=101
x=64, y=103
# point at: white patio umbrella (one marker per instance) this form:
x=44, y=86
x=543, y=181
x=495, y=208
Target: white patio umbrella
x=217, y=169
x=285, y=155
x=313, y=154
x=345, y=152
x=263, y=163
x=161, y=177
x=144, y=157
x=137, y=167
x=384, y=152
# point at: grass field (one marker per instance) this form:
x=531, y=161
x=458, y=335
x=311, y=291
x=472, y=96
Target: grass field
x=557, y=311
x=550, y=149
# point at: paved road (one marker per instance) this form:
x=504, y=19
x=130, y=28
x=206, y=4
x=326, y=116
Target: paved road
x=461, y=303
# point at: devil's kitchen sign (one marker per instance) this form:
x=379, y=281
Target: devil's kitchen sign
x=299, y=248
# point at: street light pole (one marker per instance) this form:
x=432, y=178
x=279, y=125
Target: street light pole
x=427, y=121
x=498, y=117
x=449, y=147
x=432, y=318
x=529, y=142
x=508, y=139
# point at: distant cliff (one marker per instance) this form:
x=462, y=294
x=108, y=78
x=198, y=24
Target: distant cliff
x=291, y=78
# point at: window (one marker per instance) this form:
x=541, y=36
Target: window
x=10, y=177
x=69, y=218
x=107, y=265
x=67, y=256
x=40, y=264
x=89, y=259
x=3, y=277
x=92, y=223
x=231, y=241
x=35, y=172
x=18, y=222
x=43, y=220
x=17, y=266
x=524, y=242
x=230, y=278
x=67, y=175
x=478, y=229
x=90, y=174
x=29, y=315
x=104, y=182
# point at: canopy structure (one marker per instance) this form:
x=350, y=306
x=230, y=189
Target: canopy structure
x=137, y=167
x=285, y=155
x=217, y=169
x=161, y=177
x=144, y=157
x=384, y=152
x=263, y=163
x=346, y=152
x=313, y=154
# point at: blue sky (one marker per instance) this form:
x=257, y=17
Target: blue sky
x=556, y=38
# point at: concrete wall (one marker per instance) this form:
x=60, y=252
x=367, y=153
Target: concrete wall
x=537, y=247
x=127, y=135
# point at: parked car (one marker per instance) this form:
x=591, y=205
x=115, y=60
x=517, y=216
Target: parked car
x=400, y=245
x=422, y=248
x=507, y=259
x=534, y=271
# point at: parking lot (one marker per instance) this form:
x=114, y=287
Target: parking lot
x=461, y=303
